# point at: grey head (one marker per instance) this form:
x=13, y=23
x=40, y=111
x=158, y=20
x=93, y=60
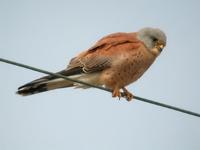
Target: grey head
x=153, y=38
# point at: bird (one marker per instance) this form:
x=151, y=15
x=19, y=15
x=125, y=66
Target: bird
x=113, y=62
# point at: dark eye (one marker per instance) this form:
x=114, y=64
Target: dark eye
x=154, y=39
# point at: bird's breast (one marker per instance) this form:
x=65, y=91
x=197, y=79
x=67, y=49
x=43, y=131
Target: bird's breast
x=127, y=68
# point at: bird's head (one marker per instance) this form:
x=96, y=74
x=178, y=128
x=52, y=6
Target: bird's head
x=154, y=39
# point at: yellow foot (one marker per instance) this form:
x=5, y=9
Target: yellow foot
x=129, y=96
x=116, y=93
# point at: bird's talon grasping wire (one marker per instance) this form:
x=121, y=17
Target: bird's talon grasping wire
x=116, y=93
x=129, y=96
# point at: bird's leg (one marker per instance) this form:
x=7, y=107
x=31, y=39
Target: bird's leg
x=127, y=94
x=116, y=93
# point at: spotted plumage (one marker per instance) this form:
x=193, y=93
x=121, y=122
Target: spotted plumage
x=114, y=61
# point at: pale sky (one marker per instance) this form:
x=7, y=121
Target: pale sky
x=47, y=34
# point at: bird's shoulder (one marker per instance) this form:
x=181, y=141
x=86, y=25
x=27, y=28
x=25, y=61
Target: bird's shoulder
x=101, y=53
x=114, y=39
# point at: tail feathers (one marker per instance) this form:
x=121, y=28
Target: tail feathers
x=51, y=82
x=29, y=90
x=43, y=84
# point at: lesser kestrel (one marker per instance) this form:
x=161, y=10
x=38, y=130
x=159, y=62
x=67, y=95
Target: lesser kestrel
x=114, y=61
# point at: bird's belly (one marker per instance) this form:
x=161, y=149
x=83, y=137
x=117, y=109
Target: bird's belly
x=123, y=75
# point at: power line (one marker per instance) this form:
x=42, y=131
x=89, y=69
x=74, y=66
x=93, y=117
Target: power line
x=98, y=87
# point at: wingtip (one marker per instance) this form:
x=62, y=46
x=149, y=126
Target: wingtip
x=19, y=92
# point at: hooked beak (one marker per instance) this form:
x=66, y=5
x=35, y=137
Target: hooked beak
x=160, y=47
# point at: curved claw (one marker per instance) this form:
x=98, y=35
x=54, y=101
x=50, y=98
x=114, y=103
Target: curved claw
x=116, y=93
x=129, y=96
